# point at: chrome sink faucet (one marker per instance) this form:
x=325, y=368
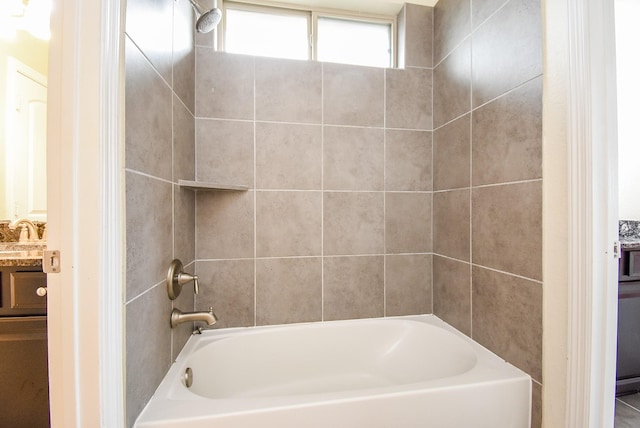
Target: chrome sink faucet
x=178, y=317
x=29, y=232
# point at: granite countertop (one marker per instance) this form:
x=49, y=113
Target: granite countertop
x=629, y=234
x=14, y=254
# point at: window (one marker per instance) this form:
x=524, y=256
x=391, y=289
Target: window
x=306, y=34
x=354, y=42
x=260, y=31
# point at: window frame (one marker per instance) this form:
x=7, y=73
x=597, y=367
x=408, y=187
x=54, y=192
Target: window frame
x=312, y=14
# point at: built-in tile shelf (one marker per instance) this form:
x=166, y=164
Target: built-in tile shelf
x=206, y=186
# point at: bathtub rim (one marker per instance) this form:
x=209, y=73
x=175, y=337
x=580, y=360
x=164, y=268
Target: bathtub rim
x=490, y=369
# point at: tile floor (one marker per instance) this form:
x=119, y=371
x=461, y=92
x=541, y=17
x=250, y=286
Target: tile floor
x=628, y=411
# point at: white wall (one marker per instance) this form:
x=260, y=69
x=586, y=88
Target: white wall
x=628, y=65
x=555, y=215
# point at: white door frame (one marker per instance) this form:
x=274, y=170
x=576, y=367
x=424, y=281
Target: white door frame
x=580, y=214
x=593, y=268
x=86, y=214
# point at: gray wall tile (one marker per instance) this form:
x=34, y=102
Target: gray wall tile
x=452, y=292
x=224, y=225
x=184, y=54
x=353, y=95
x=353, y=223
x=288, y=224
x=452, y=86
x=149, y=24
x=499, y=142
x=408, y=160
x=288, y=90
x=452, y=155
x=451, y=23
x=148, y=348
x=288, y=156
x=408, y=288
x=507, y=137
x=353, y=287
x=337, y=173
x=228, y=286
x=418, y=37
x=507, y=228
x=353, y=158
x=185, y=302
x=507, y=50
x=451, y=218
x=401, y=20
x=408, y=98
x=483, y=9
x=184, y=157
x=224, y=150
x=147, y=117
x=408, y=222
x=288, y=290
x=507, y=318
x=160, y=131
x=224, y=85
x=184, y=212
x=149, y=231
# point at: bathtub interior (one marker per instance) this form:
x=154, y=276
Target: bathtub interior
x=417, y=372
x=325, y=358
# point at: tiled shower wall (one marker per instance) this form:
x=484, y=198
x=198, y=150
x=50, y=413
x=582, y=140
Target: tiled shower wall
x=487, y=182
x=159, y=97
x=337, y=223
x=345, y=216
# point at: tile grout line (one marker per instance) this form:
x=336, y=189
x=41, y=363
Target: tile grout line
x=255, y=207
x=330, y=256
x=148, y=61
x=148, y=290
x=496, y=98
x=322, y=192
x=144, y=174
x=172, y=333
x=503, y=272
x=195, y=176
x=433, y=154
x=173, y=196
x=471, y=30
x=310, y=124
x=470, y=113
x=384, y=194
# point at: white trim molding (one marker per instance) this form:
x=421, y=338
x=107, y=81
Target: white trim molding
x=593, y=222
x=86, y=215
x=112, y=236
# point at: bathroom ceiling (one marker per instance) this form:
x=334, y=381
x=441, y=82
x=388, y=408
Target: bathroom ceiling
x=378, y=7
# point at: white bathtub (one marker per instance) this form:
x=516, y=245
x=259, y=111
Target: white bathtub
x=393, y=372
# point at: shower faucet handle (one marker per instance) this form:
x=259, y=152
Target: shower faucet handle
x=176, y=278
x=183, y=278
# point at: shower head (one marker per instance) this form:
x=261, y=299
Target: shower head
x=206, y=19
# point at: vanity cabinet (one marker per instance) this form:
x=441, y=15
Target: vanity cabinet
x=24, y=382
x=628, y=350
x=19, y=291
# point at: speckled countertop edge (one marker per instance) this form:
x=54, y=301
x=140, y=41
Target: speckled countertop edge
x=29, y=254
x=629, y=234
x=22, y=262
